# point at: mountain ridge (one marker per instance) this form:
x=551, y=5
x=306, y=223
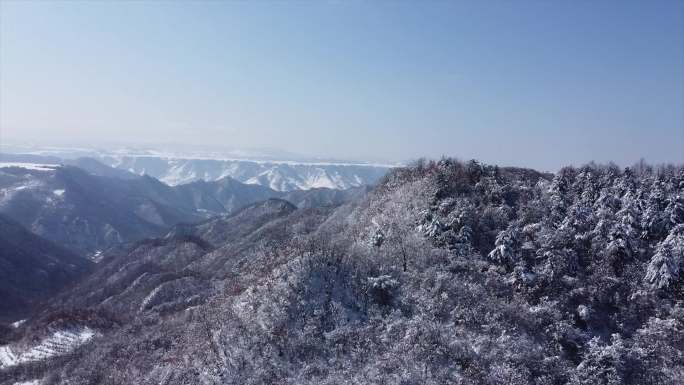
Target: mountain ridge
x=177, y=169
x=94, y=209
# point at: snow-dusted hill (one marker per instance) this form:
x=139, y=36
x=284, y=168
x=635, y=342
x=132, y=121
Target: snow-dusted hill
x=280, y=176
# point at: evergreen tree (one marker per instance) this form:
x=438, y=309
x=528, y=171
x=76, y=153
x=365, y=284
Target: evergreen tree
x=665, y=265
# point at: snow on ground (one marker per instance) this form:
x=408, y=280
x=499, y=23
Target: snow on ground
x=7, y=357
x=18, y=323
x=177, y=175
x=97, y=256
x=59, y=343
x=27, y=183
x=32, y=382
x=59, y=192
x=319, y=178
x=30, y=166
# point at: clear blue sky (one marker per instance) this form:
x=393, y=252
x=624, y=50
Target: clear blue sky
x=540, y=84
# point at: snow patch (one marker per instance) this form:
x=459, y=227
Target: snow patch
x=30, y=166
x=18, y=323
x=59, y=192
x=7, y=357
x=59, y=343
x=97, y=256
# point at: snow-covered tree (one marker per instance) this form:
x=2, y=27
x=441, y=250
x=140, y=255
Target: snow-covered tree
x=665, y=265
x=655, y=222
x=675, y=210
x=560, y=193
x=602, y=364
x=507, y=246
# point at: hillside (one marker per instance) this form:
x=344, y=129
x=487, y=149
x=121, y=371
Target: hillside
x=88, y=213
x=32, y=269
x=446, y=272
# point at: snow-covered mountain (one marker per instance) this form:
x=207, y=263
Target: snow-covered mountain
x=90, y=207
x=85, y=212
x=280, y=176
x=278, y=171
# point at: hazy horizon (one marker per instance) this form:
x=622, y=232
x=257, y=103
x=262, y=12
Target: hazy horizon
x=525, y=84
x=262, y=154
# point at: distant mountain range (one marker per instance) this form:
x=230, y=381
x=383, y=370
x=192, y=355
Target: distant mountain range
x=288, y=174
x=88, y=207
x=277, y=176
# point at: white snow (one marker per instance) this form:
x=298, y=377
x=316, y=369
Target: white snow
x=7, y=357
x=305, y=177
x=27, y=182
x=60, y=342
x=150, y=297
x=32, y=382
x=18, y=323
x=178, y=175
x=59, y=192
x=97, y=256
x=30, y=166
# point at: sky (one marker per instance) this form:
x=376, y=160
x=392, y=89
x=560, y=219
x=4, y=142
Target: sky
x=535, y=84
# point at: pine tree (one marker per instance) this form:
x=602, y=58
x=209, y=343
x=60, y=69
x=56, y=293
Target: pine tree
x=675, y=210
x=654, y=220
x=665, y=266
x=507, y=246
